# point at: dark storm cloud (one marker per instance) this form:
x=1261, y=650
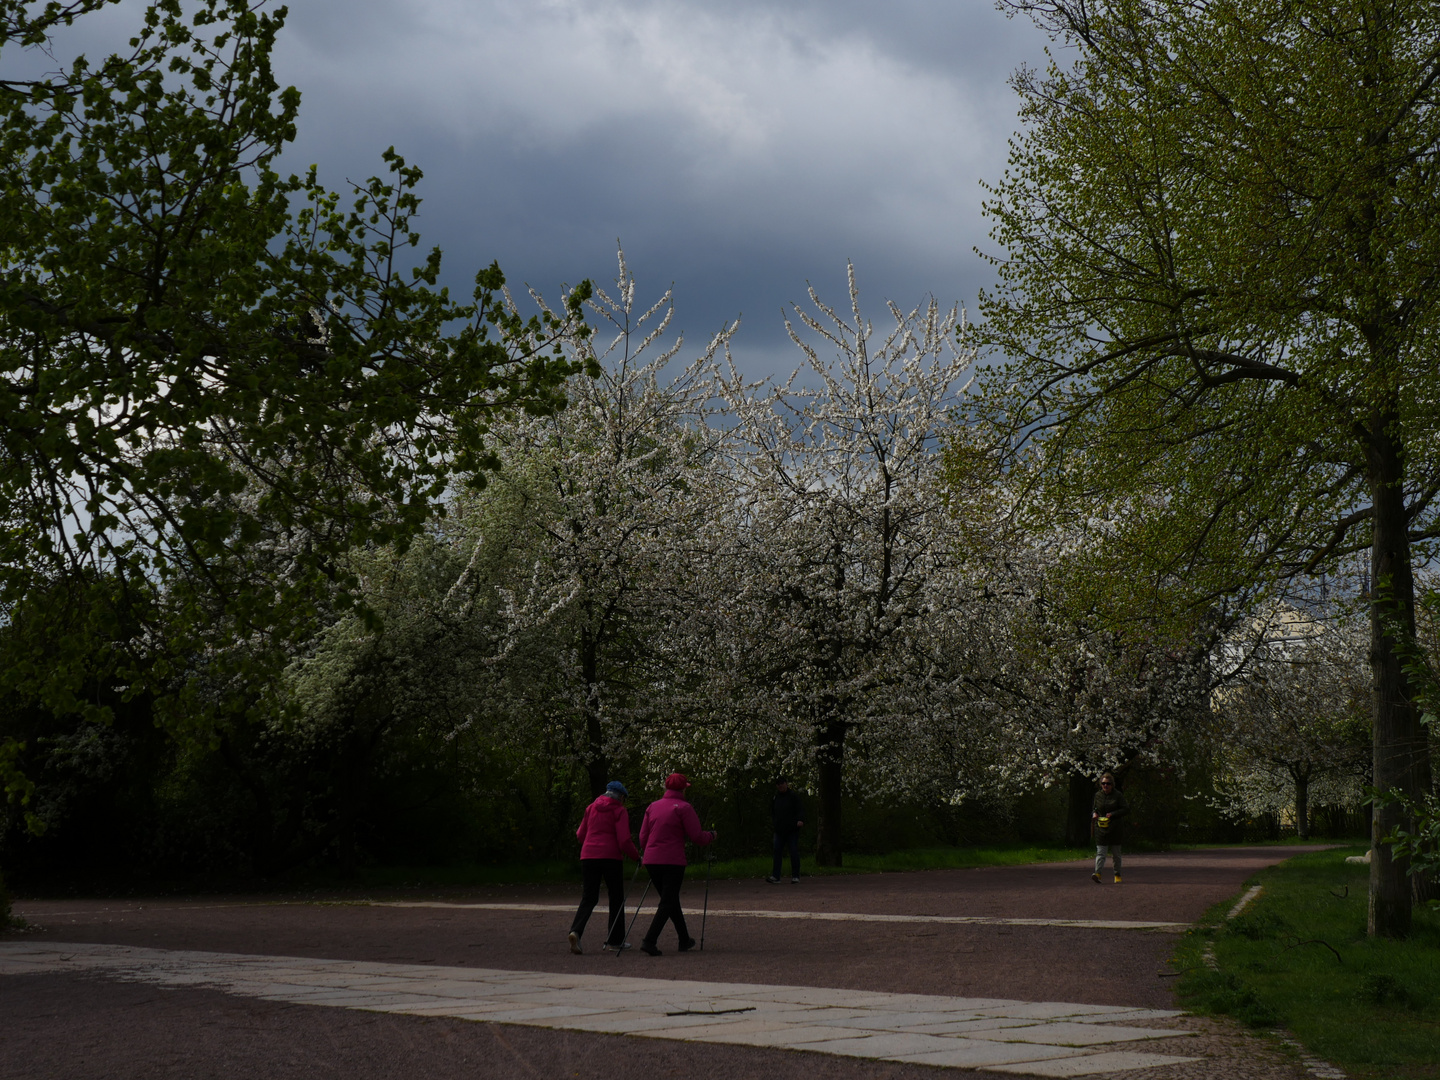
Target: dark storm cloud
x=737, y=150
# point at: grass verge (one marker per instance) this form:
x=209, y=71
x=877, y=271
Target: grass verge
x=1298, y=957
x=946, y=858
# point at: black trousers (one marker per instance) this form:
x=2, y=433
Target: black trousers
x=591, y=871
x=667, y=880
x=783, y=840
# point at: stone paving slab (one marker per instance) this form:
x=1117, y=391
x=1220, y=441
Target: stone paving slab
x=796, y=1036
x=1116, y=1061
x=960, y=1032
x=989, y=1024
x=983, y=1054
x=1129, y=1016
x=735, y=1029
x=1051, y=1010
x=1063, y=1033
x=884, y=1045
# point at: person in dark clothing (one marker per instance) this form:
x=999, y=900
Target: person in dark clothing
x=1106, y=817
x=787, y=817
x=604, y=836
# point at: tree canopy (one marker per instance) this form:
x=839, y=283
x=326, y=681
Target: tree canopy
x=215, y=379
x=1217, y=302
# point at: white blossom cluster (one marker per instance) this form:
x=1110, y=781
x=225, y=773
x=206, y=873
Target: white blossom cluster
x=819, y=575
x=1292, y=714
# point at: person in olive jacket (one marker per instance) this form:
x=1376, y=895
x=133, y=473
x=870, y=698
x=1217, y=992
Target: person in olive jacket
x=1107, y=818
x=669, y=822
x=604, y=835
x=787, y=817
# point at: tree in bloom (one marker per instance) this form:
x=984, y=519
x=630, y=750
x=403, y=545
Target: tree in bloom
x=611, y=492
x=1291, y=716
x=1080, y=686
x=841, y=532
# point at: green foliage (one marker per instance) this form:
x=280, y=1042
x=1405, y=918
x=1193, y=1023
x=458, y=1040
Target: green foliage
x=18, y=788
x=1372, y=1011
x=1417, y=836
x=8, y=920
x=1217, y=314
x=1178, y=309
x=216, y=380
x=1221, y=992
x=1420, y=842
x=1380, y=988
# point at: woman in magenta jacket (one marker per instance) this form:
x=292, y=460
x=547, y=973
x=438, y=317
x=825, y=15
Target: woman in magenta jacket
x=604, y=842
x=669, y=822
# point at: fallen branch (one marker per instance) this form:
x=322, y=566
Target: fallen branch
x=1317, y=941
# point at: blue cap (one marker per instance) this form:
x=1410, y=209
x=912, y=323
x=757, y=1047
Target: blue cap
x=615, y=787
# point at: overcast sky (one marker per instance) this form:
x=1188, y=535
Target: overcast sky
x=736, y=149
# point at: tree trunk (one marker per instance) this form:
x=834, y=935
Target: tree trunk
x=1402, y=760
x=597, y=766
x=1078, y=809
x=830, y=760
x=1302, y=802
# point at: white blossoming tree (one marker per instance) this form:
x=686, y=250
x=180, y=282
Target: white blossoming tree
x=1291, y=719
x=841, y=535
x=1090, y=694
x=610, y=490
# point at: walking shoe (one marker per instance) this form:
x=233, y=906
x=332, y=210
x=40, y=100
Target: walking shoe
x=575, y=943
x=649, y=949
x=794, y=881
x=1095, y=877
x=1117, y=879
x=607, y=947
x=688, y=944
x=773, y=880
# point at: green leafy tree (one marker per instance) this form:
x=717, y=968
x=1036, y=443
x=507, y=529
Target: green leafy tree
x=214, y=379
x=1218, y=306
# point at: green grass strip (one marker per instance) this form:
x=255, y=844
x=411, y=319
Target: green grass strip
x=945, y=858
x=1298, y=957
x=756, y=866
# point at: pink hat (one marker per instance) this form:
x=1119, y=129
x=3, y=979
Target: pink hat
x=676, y=782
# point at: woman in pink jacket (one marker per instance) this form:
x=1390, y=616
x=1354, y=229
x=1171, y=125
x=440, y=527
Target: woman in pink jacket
x=669, y=822
x=604, y=841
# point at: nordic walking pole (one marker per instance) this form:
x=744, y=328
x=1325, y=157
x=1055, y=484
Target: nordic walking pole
x=621, y=916
x=705, y=914
x=633, y=918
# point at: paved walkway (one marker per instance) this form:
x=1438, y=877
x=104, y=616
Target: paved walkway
x=1030, y=1038
x=1028, y=969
